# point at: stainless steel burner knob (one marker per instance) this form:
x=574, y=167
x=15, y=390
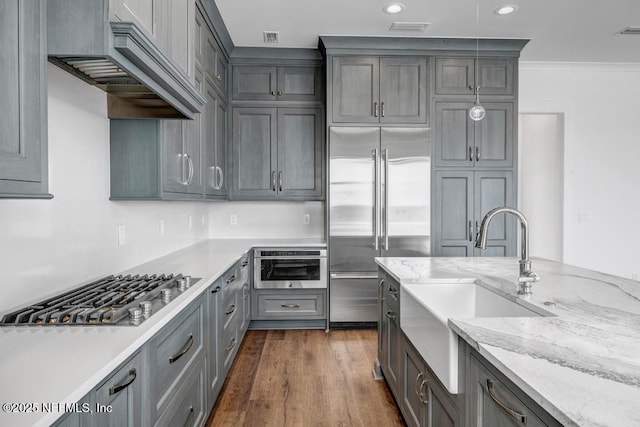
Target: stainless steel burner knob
x=182, y=285
x=188, y=280
x=146, y=307
x=135, y=313
x=166, y=294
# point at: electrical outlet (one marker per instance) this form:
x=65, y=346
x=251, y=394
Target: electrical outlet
x=122, y=235
x=306, y=219
x=233, y=219
x=162, y=227
x=190, y=222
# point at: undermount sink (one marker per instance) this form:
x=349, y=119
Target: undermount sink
x=425, y=309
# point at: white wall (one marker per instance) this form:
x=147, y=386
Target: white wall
x=50, y=245
x=267, y=219
x=601, y=106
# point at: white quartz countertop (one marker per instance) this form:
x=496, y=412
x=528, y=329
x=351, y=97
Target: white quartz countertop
x=581, y=365
x=61, y=364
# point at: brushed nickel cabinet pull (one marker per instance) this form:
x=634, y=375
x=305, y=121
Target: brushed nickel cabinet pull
x=273, y=180
x=382, y=109
x=415, y=385
x=219, y=77
x=471, y=154
x=280, y=181
x=231, y=279
x=119, y=387
x=290, y=305
x=380, y=292
x=190, y=178
x=185, y=349
x=273, y=93
x=424, y=395
x=231, y=309
x=515, y=415
x=391, y=315
x=216, y=290
x=279, y=93
x=477, y=154
x=375, y=109
x=470, y=231
x=231, y=344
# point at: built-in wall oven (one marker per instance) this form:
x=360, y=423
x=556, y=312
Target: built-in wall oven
x=301, y=268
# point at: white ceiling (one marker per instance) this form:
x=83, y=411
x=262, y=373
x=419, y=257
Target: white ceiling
x=560, y=30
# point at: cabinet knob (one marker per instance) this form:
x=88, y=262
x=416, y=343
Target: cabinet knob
x=279, y=93
x=273, y=93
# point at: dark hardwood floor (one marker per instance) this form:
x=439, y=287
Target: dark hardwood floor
x=305, y=378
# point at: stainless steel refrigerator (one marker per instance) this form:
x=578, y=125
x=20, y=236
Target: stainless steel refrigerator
x=379, y=205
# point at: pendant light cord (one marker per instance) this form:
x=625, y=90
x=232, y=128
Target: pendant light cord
x=477, y=88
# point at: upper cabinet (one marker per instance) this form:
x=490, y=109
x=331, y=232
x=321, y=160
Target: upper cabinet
x=457, y=76
x=273, y=83
x=379, y=90
x=462, y=142
x=23, y=122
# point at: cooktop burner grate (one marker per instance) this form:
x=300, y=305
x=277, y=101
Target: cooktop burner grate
x=111, y=300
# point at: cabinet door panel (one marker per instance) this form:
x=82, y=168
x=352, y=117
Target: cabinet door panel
x=453, y=213
x=193, y=145
x=496, y=76
x=299, y=84
x=252, y=82
x=413, y=375
x=403, y=90
x=23, y=124
x=455, y=134
x=455, y=76
x=355, y=89
x=492, y=190
x=299, y=152
x=221, y=119
x=144, y=13
x=494, y=141
x=176, y=164
x=254, y=151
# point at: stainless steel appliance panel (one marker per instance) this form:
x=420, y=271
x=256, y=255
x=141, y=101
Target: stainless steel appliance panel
x=405, y=192
x=353, y=196
x=290, y=268
x=353, y=298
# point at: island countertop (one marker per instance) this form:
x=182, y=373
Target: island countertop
x=582, y=365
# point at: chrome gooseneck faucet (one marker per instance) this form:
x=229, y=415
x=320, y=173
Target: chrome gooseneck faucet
x=527, y=277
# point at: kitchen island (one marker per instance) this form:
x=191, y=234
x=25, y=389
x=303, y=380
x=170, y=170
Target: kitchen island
x=580, y=364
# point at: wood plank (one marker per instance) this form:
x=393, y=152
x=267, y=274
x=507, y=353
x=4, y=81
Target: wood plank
x=305, y=378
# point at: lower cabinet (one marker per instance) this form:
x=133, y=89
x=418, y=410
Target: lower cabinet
x=288, y=308
x=494, y=401
x=389, y=350
x=118, y=401
x=424, y=401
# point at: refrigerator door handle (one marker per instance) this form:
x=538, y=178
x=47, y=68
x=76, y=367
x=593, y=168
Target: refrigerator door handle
x=376, y=198
x=385, y=207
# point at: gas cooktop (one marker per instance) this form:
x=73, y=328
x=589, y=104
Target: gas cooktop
x=112, y=300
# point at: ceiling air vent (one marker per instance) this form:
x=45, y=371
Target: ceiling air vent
x=271, y=36
x=414, y=27
x=631, y=30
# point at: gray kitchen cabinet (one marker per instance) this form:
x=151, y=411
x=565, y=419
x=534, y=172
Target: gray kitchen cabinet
x=492, y=400
x=118, y=400
x=144, y=13
x=277, y=153
x=215, y=62
x=460, y=201
x=379, y=90
x=215, y=142
x=457, y=76
x=423, y=399
x=244, y=277
x=173, y=352
x=187, y=406
x=389, y=349
x=277, y=83
x=461, y=142
x=213, y=332
x=23, y=122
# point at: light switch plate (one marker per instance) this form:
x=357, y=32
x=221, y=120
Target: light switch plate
x=122, y=235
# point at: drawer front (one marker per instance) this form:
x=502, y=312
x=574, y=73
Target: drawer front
x=230, y=308
x=122, y=393
x=174, y=349
x=187, y=408
x=291, y=306
x=229, y=344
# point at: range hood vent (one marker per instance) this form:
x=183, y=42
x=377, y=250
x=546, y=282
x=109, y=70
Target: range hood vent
x=120, y=59
x=416, y=27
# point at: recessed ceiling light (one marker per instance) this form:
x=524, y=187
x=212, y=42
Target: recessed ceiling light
x=507, y=9
x=393, y=8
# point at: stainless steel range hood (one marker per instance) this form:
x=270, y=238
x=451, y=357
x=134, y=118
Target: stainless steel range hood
x=120, y=59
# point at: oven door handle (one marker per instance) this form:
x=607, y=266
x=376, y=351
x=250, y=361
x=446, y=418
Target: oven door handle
x=353, y=275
